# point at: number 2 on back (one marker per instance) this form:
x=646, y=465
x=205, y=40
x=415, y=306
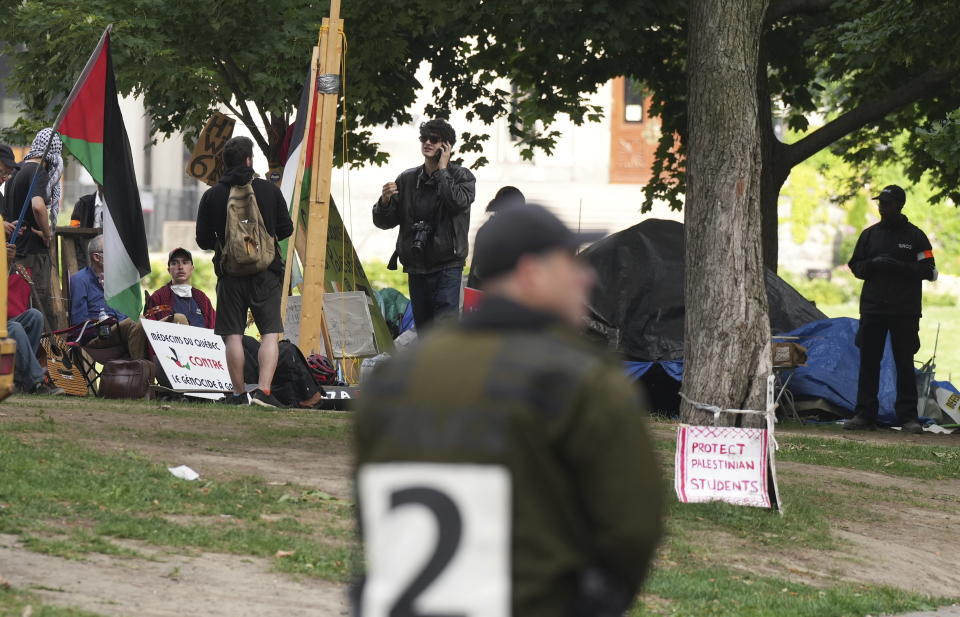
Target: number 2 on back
x=436, y=540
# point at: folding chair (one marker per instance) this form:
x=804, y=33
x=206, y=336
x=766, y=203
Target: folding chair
x=71, y=360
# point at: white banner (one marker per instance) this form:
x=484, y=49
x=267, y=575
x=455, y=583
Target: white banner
x=723, y=464
x=192, y=358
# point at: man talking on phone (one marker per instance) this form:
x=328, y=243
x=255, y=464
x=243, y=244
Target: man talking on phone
x=431, y=205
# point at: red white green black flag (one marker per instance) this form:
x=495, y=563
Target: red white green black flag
x=92, y=129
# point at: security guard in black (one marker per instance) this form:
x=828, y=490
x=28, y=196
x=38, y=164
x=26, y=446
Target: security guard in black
x=892, y=257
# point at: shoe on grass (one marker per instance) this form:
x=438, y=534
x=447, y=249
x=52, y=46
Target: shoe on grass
x=857, y=423
x=47, y=389
x=912, y=426
x=261, y=398
x=236, y=399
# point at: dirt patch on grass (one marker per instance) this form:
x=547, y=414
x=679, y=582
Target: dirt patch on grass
x=208, y=584
x=907, y=538
x=906, y=547
x=219, y=447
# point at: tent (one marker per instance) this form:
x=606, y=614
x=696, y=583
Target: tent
x=638, y=305
x=639, y=293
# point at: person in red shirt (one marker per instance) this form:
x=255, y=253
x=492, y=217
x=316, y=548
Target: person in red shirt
x=187, y=304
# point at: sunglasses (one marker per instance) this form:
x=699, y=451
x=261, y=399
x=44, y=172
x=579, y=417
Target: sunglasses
x=434, y=139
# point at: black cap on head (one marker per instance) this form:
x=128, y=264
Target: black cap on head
x=179, y=252
x=6, y=156
x=506, y=197
x=894, y=194
x=515, y=232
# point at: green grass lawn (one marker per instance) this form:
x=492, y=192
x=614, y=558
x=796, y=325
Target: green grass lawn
x=64, y=493
x=948, y=349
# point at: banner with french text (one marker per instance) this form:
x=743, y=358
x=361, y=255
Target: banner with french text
x=192, y=358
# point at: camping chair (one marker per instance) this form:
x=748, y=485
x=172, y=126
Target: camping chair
x=72, y=361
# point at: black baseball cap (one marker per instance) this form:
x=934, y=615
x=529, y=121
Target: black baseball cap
x=179, y=252
x=6, y=156
x=515, y=232
x=893, y=193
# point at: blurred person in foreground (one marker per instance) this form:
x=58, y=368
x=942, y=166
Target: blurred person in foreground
x=507, y=452
x=892, y=257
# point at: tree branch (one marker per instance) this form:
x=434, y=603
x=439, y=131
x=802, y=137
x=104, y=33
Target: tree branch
x=868, y=113
x=249, y=84
x=783, y=8
x=244, y=109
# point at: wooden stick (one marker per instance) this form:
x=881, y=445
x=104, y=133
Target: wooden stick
x=311, y=322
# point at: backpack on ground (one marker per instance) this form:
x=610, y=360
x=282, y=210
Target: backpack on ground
x=247, y=248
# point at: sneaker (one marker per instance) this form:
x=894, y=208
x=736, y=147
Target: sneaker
x=259, y=397
x=47, y=389
x=236, y=399
x=856, y=423
x=912, y=426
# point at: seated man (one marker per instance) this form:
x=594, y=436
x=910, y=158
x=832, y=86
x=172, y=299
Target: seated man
x=25, y=328
x=87, y=302
x=188, y=305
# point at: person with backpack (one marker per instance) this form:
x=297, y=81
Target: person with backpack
x=242, y=218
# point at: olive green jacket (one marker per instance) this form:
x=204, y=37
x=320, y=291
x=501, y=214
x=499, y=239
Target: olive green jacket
x=511, y=387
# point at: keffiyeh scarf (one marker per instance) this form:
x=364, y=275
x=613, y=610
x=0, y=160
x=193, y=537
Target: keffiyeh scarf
x=55, y=170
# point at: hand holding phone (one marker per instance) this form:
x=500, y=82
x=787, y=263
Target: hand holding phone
x=443, y=155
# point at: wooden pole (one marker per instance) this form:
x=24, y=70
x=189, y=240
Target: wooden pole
x=311, y=317
x=292, y=244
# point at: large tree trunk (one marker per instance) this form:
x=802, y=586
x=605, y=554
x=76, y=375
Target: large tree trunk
x=727, y=332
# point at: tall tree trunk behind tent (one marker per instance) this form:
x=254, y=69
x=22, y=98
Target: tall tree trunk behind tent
x=727, y=332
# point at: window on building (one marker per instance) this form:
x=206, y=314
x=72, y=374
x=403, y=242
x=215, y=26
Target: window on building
x=633, y=95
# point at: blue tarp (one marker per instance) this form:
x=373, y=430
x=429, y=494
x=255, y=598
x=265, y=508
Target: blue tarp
x=833, y=366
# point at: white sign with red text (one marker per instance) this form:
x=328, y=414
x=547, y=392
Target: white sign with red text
x=192, y=358
x=725, y=463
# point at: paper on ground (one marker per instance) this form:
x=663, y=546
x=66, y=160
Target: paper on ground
x=184, y=473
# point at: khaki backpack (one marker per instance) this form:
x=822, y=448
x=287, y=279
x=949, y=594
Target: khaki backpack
x=247, y=248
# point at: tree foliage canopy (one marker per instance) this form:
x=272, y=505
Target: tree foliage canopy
x=185, y=59
x=874, y=67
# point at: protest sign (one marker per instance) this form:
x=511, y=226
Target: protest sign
x=206, y=162
x=192, y=358
x=725, y=463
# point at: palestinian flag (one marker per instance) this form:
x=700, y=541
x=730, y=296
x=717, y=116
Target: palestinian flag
x=92, y=130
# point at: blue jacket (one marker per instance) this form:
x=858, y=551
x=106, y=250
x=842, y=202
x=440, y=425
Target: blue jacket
x=86, y=298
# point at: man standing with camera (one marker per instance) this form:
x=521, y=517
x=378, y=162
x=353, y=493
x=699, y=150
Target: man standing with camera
x=431, y=205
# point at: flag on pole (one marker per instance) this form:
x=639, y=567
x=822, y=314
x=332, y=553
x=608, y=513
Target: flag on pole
x=92, y=129
x=343, y=272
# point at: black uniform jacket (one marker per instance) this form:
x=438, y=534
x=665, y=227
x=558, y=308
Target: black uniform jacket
x=892, y=286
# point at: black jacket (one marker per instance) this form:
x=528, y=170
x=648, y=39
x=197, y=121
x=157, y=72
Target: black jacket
x=84, y=210
x=212, y=214
x=443, y=202
x=892, y=287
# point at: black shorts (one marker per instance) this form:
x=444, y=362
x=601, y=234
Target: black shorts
x=259, y=292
